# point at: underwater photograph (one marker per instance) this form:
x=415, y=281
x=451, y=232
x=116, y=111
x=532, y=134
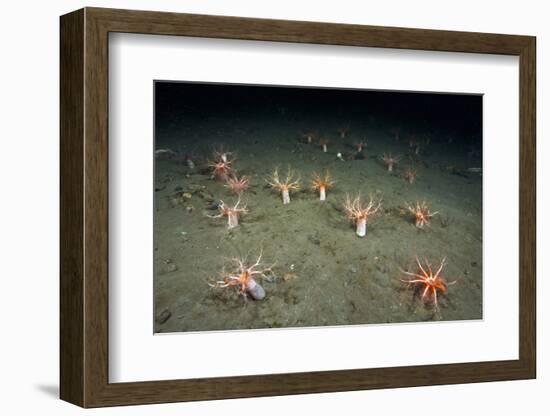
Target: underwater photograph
x=289, y=207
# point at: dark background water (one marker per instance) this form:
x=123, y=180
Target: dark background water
x=439, y=114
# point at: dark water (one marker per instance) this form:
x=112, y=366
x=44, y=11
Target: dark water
x=324, y=274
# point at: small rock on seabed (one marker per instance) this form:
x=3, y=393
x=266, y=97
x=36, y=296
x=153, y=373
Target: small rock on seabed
x=164, y=316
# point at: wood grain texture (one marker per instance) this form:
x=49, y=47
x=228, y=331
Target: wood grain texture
x=527, y=208
x=96, y=208
x=84, y=205
x=71, y=100
x=225, y=27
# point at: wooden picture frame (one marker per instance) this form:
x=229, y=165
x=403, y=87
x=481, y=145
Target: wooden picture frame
x=84, y=207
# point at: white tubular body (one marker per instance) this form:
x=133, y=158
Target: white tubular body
x=286, y=196
x=361, y=229
x=255, y=291
x=232, y=220
x=322, y=193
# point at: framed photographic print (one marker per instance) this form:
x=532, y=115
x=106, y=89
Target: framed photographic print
x=256, y=207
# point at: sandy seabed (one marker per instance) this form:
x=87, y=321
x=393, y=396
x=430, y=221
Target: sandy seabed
x=324, y=274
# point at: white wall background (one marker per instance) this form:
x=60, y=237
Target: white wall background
x=29, y=209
